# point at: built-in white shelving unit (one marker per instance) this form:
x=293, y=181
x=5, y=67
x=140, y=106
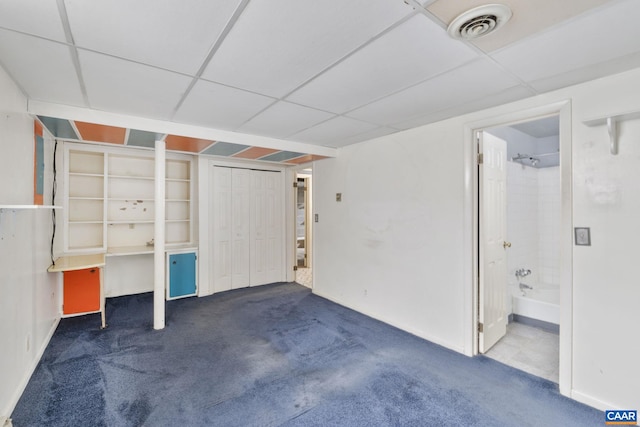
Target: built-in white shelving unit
x=110, y=200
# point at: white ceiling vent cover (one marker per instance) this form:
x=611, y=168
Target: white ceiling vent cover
x=479, y=21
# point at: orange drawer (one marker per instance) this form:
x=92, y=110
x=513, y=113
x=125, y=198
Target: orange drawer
x=81, y=292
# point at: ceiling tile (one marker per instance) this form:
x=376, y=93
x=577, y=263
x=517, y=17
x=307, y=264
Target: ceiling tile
x=305, y=159
x=331, y=132
x=59, y=128
x=281, y=156
x=129, y=87
x=37, y=17
x=283, y=119
x=366, y=136
x=606, y=68
x=101, y=133
x=254, y=153
x=529, y=17
x=167, y=34
x=462, y=85
x=142, y=138
x=182, y=143
x=224, y=149
x=44, y=69
x=414, y=51
x=589, y=39
x=509, y=95
x=277, y=45
x=211, y=104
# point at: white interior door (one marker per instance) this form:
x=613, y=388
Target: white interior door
x=220, y=227
x=258, y=228
x=274, y=227
x=493, y=244
x=241, y=227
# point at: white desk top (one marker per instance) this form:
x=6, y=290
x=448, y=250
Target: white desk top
x=77, y=262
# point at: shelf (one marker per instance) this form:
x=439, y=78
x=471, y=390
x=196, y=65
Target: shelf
x=127, y=199
x=125, y=221
x=132, y=177
x=110, y=194
x=20, y=207
x=95, y=175
x=611, y=121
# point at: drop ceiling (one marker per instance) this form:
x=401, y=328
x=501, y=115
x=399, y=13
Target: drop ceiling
x=296, y=76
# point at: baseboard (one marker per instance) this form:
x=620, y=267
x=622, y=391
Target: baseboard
x=592, y=401
x=25, y=380
x=404, y=328
x=540, y=324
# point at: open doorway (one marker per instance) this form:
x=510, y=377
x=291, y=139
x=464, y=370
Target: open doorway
x=519, y=230
x=303, y=231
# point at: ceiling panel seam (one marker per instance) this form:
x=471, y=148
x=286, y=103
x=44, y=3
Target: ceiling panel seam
x=354, y=51
x=62, y=10
x=323, y=71
x=216, y=45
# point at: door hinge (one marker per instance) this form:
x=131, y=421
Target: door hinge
x=295, y=268
x=480, y=327
x=480, y=158
x=295, y=185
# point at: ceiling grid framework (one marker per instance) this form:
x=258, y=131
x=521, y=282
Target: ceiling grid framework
x=289, y=76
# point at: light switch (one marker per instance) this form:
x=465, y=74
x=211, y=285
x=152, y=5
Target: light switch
x=582, y=236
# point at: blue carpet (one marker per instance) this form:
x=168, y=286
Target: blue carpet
x=275, y=355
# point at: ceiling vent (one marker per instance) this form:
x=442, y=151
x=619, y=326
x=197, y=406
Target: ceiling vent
x=479, y=21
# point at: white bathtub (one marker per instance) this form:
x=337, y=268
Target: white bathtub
x=542, y=303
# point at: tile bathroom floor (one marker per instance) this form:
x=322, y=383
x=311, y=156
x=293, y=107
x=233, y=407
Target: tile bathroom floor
x=529, y=349
x=303, y=277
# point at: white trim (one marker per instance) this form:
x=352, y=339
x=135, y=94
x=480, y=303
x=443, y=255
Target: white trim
x=165, y=127
x=563, y=109
x=592, y=401
x=159, y=236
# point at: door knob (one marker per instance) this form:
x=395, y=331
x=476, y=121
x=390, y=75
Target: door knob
x=506, y=245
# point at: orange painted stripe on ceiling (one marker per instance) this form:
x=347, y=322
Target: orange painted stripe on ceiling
x=305, y=159
x=182, y=143
x=255, y=153
x=37, y=128
x=101, y=133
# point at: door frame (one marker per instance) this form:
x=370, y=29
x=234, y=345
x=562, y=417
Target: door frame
x=294, y=172
x=471, y=228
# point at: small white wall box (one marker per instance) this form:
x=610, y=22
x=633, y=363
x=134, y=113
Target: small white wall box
x=582, y=236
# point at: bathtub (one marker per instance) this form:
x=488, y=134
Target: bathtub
x=541, y=303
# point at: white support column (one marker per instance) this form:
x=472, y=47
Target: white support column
x=158, y=254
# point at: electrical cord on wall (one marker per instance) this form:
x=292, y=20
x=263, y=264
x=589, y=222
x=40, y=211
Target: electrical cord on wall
x=53, y=200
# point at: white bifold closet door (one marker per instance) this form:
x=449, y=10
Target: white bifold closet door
x=246, y=227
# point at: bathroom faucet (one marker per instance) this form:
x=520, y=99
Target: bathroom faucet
x=522, y=272
x=524, y=286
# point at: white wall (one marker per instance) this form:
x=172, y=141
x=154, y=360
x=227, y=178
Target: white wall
x=533, y=223
x=395, y=247
x=28, y=306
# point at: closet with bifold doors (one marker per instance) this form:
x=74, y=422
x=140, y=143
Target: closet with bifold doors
x=246, y=227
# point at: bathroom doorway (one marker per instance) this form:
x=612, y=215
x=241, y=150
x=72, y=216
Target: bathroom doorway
x=519, y=257
x=303, y=228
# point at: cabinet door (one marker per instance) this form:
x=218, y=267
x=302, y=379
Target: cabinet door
x=182, y=275
x=81, y=293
